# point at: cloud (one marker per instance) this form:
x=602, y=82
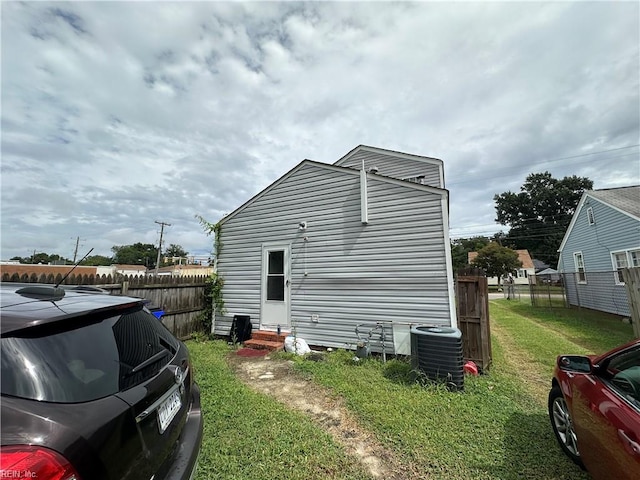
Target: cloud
x=118, y=114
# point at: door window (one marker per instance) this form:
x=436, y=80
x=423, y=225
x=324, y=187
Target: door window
x=275, y=276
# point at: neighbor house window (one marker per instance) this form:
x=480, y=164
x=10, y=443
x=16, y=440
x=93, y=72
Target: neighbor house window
x=619, y=262
x=580, y=273
x=590, y=216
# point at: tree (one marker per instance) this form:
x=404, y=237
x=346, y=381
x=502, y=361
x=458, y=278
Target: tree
x=97, y=260
x=43, y=258
x=540, y=214
x=175, y=251
x=496, y=260
x=136, y=254
x=460, y=248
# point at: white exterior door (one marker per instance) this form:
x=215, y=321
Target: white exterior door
x=275, y=291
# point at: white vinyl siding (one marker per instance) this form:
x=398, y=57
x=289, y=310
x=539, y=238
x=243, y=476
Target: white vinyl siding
x=391, y=270
x=429, y=170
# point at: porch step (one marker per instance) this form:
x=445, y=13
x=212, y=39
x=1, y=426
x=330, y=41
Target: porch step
x=266, y=340
x=268, y=335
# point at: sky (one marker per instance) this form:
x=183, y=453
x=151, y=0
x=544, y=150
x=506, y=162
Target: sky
x=115, y=115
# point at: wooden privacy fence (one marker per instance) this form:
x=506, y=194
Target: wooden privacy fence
x=631, y=277
x=472, y=295
x=181, y=298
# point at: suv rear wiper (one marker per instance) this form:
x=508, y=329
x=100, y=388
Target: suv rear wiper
x=149, y=361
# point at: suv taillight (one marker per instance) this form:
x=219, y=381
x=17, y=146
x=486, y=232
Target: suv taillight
x=26, y=461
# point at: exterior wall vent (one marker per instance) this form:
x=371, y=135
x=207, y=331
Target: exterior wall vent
x=437, y=352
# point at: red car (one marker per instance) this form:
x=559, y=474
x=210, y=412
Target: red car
x=594, y=407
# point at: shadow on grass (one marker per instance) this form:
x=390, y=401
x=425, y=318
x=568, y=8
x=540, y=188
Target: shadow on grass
x=531, y=451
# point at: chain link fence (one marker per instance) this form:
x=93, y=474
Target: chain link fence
x=603, y=291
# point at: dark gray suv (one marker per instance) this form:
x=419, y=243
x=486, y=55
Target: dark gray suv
x=93, y=387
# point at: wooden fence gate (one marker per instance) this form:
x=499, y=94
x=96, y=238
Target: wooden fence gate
x=472, y=296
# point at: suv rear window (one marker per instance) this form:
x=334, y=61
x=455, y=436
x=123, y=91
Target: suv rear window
x=94, y=358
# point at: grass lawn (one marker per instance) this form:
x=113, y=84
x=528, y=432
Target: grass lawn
x=497, y=429
x=251, y=436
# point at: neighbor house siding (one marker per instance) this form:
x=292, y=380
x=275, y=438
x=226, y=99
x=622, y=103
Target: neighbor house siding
x=401, y=168
x=393, y=269
x=611, y=231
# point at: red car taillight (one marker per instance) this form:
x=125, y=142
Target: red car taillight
x=25, y=461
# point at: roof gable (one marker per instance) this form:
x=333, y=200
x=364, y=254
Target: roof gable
x=625, y=200
x=382, y=151
x=341, y=170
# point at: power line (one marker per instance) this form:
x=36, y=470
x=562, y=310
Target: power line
x=518, y=167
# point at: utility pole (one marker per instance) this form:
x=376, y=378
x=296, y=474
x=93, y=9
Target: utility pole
x=75, y=252
x=162, y=225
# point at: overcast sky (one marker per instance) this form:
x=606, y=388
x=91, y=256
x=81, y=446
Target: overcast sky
x=117, y=114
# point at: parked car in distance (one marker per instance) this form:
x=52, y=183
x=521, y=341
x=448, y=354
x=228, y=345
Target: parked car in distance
x=94, y=387
x=594, y=407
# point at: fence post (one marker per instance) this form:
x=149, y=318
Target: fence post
x=575, y=284
x=631, y=277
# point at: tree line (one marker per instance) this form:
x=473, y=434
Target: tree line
x=134, y=254
x=537, y=217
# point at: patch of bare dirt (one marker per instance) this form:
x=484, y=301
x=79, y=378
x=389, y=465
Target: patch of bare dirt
x=278, y=379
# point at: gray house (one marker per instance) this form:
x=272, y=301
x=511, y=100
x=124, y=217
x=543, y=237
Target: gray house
x=602, y=238
x=328, y=247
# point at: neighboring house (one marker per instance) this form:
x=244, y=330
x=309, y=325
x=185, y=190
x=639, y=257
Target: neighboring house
x=37, y=270
x=602, y=238
x=55, y=270
x=548, y=275
x=185, y=270
x=539, y=265
x=520, y=276
x=128, y=269
x=328, y=247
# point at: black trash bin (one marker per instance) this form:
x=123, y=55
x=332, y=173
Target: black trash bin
x=241, y=328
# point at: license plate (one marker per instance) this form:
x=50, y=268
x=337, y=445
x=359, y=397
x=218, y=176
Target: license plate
x=168, y=410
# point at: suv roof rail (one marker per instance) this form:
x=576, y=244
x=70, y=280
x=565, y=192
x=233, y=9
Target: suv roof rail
x=42, y=292
x=85, y=289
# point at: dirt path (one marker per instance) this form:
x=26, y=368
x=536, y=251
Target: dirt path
x=537, y=380
x=520, y=361
x=278, y=379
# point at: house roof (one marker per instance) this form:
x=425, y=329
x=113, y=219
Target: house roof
x=547, y=271
x=626, y=199
x=394, y=153
x=130, y=267
x=523, y=256
x=623, y=199
x=336, y=168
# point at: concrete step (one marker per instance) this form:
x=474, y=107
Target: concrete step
x=268, y=336
x=259, y=344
